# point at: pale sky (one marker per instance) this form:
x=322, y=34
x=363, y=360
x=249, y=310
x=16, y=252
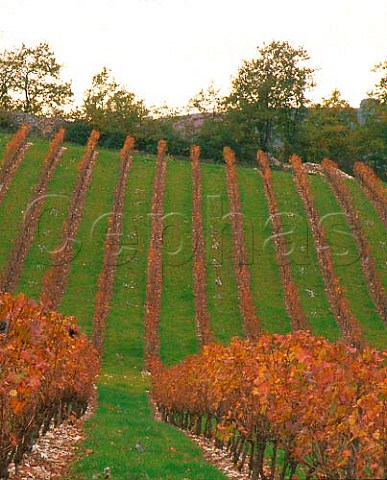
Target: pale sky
x=167, y=50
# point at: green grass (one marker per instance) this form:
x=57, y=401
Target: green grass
x=265, y=276
x=303, y=259
x=373, y=228
x=123, y=417
x=18, y=196
x=124, y=437
x=87, y=264
x=347, y=264
x=49, y=233
x=124, y=336
x=178, y=336
x=225, y=318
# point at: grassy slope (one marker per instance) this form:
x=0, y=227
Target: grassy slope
x=177, y=317
x=124, y=415
x=87, y=264
x=373, y=228
x=265, y=276
x=346, y=262
x=18, y=196
x=305, y=268
x=225, y=319
x=54, y=213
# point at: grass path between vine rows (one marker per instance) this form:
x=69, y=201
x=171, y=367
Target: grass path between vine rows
x=373, y=228
x=303, y=258
x=49, y=231
x=122, y=434
x=178, y=333
x=222, y=296
x=347, y=263
x=266, y=283
x=18, y=196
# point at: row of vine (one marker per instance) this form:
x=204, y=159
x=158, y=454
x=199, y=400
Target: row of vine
x=47, y=372
x=284, y=405
x=374, y=189
x=154, y=268
x=55, y=280
x=251, y=322
x=13, y=157
x=344, y=197
x=10, y=276
x=199, y=257
x=292, y=297
x=112, y=247
x=346, y=320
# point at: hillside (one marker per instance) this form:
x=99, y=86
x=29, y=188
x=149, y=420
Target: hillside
x=124, y=418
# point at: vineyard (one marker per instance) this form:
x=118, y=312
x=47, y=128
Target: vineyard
x=162, y=262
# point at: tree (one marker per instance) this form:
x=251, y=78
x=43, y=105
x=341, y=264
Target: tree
x=380, y=91
x=329, y=131
x=372, y=132
x=30, y=80
x=372, y=135
x=268, y=95
x=109, y=107
x=5, y=84
x=209, y=102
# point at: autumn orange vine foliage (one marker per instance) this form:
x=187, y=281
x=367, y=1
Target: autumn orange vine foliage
x=251, y=322
x=112, y=247
x=373, y=188
x=13, y=157
x=55, y=280
x=344, y=197
x=10, y=276
x=292, y=297
x=346, y=320
x=154, y=270
x=199, y=256
x=321, y=405
x=47, y=372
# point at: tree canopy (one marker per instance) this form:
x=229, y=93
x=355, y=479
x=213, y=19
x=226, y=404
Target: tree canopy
x=380, y=91
x=329, y=131
x=30, y=80
x=275, y=79
x=108, y=106
x=270, y=90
